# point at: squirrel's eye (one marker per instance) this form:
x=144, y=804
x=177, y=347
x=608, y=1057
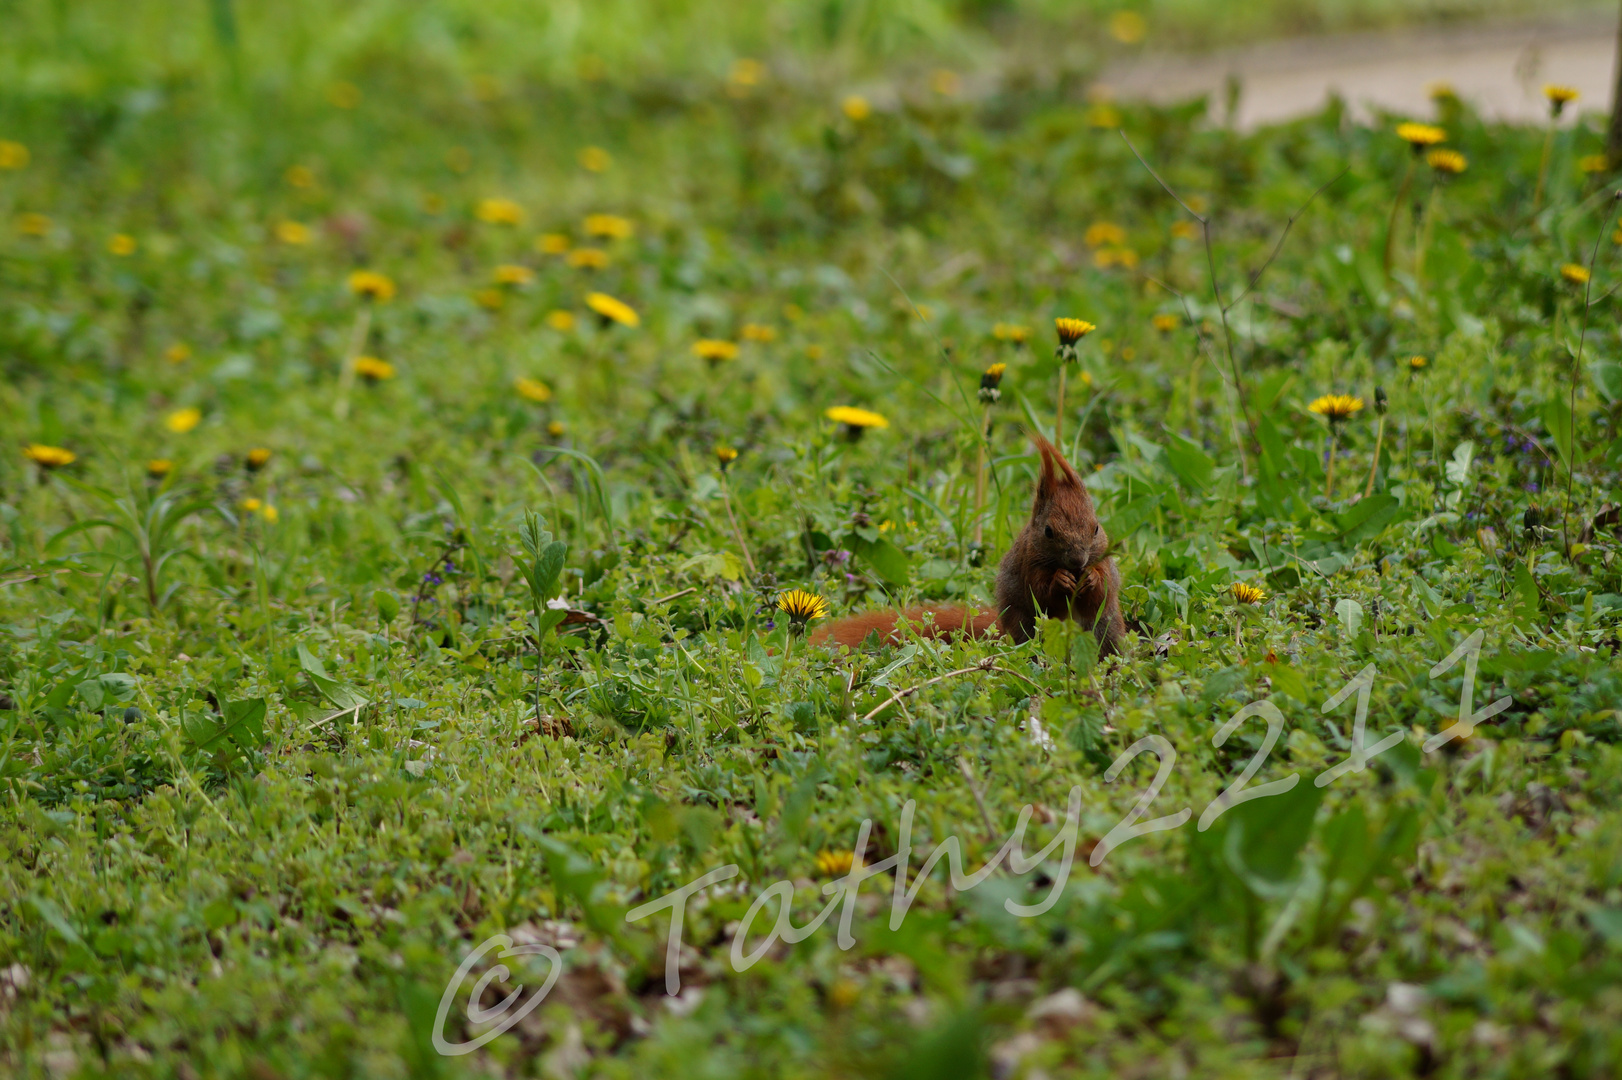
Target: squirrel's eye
x=1049, y=531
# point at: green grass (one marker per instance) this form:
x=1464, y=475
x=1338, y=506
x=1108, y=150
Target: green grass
x=268, y=778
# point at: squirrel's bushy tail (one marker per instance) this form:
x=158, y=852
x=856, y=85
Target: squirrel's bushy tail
x=927, y=620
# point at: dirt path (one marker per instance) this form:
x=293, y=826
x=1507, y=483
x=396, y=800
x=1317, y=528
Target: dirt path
x=1500, y=68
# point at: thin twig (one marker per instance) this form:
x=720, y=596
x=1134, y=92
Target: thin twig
x=673, y=596
x=987, y=664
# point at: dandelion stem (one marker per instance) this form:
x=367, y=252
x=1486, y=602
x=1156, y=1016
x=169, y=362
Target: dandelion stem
x=1396, y=208
x=346, y=377
x=726, y=500
x=980, y=478
x=1543, y=168
x=1329, y=477
x=1379, y=441
x=1058, y=417
x=1425, y=233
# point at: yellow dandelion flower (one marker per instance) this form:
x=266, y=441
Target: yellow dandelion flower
x=178, y=353
x=533, y=390
x=257, y=458
x=1420, y=136
x=555, y=429
x=293, y=233
x=1447, y=161
x=611, y=310
x=183, y=420
x=1184, y=230
x=371, y=285
x=372, y=369
x=801, y=607
x=299, y=176
x=121, y=244
x=1559, y=97
x=1104, y=234
x=609, y=226
x=595, y=159
x=991, y=383
x=758, y=332
x=49, y=457
x=270, y=514
x=852, y=417
x=1072, y=330
x=833, y=864
x=560, y=320
x=158, y=468
x=512, y=274
x=1013, y=333
x=1105, y=258
x=499, y=212
x=588, y=258
x=1336, y=407
x=714, y=350
x=251, y=505
x=1417, y=364
x=13, y=155
x=1166, y=323
x=1127, y=27
x=1589, y=164
x=1247, y=594
x=856, y=108
x=552, y=244
x=1574, y=274
x=491, y=299
x=35, y=225
x=725, y=456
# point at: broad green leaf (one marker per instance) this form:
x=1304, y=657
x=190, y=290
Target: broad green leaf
x=1129, y=518
x=1458, y=469
x=1557, y=419
x=1189, y=461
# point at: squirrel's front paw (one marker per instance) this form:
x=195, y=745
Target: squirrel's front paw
x=1065, y=582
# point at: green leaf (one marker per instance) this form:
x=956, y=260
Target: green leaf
x=1129, y=518
x=1265, y=838
x=243, y=722
x=548, y=566
x=548, y=619
x=1526, y=592
x=1557, y=418
x=388, y=605
x=1458, y=469
x=1367, y=518
x=887, y=560
x=1189, y=461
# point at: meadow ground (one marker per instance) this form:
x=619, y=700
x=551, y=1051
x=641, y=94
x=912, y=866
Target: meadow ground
x=403, y=471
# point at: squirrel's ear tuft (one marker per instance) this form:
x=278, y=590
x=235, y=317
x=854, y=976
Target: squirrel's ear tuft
x=1056, y=471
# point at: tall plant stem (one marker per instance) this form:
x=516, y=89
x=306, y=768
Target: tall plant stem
x=1576, y=374
x=1058, y=417
x=726, y=500
x=1379, y=441
x=346, y=377
x=1396, y=208
x=980, y=478
x=1329, y=476
x=1543, y=168
x=1426, y=231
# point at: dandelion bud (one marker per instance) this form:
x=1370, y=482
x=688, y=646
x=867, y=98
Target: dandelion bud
x=1379, y=400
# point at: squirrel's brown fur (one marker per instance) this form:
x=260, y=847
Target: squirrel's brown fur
x=1058, y=566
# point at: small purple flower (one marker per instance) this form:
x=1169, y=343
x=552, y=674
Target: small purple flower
x=771, y=624
x=1532, y=486
x=450, y=567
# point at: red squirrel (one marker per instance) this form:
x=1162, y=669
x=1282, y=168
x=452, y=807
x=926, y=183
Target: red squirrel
x=1059, y=565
